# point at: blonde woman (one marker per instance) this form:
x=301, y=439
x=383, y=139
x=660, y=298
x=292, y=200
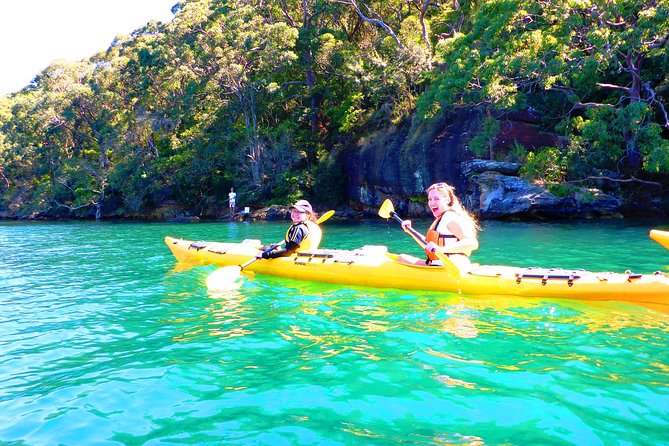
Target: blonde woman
x=453, y=231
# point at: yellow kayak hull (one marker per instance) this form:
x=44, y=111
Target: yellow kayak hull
x=373, y=266
x=661, y=237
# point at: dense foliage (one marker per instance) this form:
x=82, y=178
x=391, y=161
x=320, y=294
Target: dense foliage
x=263, y=96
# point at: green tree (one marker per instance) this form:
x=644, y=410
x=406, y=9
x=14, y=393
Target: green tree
x=5, y=115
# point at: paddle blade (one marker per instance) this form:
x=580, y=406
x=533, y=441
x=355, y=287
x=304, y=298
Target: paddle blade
x=386, y=209
x=326, y=216
x=226, y=278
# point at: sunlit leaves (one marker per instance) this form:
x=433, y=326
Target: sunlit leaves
x=589, y=52
x=656, y=149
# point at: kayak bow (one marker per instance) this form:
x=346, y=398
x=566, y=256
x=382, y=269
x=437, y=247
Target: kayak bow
x=662, y=237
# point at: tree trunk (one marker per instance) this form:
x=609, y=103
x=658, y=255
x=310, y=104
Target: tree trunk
x=632, y=160
x=633, y=157
x=251, y=124
x=4, y=177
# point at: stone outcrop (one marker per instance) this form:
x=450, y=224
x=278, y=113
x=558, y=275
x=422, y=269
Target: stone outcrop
x=272, y=213
x=475, y=166
x=493, y=195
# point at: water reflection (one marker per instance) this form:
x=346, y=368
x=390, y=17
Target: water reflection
x=230, y=314
x=328, y=344
x=460, y=327
x=375, y=318
x=281, y=335
x=180, y=267
x=453, y=382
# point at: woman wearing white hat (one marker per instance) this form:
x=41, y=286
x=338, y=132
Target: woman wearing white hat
x=303, y=235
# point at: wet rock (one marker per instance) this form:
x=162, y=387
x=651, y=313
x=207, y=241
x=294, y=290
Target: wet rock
x=493, y=195
x=476, y=166
x=507, y=196
x=273, y=213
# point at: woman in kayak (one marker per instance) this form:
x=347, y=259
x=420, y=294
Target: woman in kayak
x=453, y=231
x=303, y=235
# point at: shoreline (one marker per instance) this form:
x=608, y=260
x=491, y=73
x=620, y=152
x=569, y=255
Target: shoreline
x=342, y=217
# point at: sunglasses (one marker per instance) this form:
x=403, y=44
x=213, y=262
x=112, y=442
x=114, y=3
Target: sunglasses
x=436, y=185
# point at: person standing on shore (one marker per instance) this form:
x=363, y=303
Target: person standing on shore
x=232, y=200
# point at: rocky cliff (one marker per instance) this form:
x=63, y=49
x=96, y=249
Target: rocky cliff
x=401, y=162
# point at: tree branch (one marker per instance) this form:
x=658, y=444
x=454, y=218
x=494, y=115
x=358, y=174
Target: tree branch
x=74, y=208
x=286, y=14
x=655, y=43
x=631, y=179
x=653, y=100
x=4, y=177
x=613, y=87
x=586, y=105
x=423, y=11
x=377, y=22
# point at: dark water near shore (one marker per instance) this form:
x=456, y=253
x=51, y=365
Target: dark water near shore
x=105, y=339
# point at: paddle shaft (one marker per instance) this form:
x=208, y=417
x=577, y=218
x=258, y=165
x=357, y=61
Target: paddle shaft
x=412, y=231
x=270, y=248
x=387, y=210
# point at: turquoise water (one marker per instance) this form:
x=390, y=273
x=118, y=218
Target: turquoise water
x=106, y=340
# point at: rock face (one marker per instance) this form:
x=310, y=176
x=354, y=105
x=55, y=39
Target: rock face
x=402, y=162
x=502, y=195
x=495, y=196
x=524, y=127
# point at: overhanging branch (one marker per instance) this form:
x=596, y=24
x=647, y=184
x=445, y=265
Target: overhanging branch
x=377, y=22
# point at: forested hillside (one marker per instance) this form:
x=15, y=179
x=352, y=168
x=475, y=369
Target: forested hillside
x=265, y=95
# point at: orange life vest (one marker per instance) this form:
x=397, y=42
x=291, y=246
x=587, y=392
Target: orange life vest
x=437, y=237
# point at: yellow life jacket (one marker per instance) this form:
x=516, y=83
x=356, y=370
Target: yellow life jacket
x=437, y=237
x=312, y=239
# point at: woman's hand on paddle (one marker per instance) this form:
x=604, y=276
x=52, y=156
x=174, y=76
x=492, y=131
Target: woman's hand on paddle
x=259, y=254
x=431, y=247
x=406, y=224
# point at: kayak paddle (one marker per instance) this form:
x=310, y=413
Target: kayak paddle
x=387, y=210
x=661, y=237
x=222, y=278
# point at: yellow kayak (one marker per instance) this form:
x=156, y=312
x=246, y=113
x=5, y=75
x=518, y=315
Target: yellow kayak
x=662, y=237
x=373, y=266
